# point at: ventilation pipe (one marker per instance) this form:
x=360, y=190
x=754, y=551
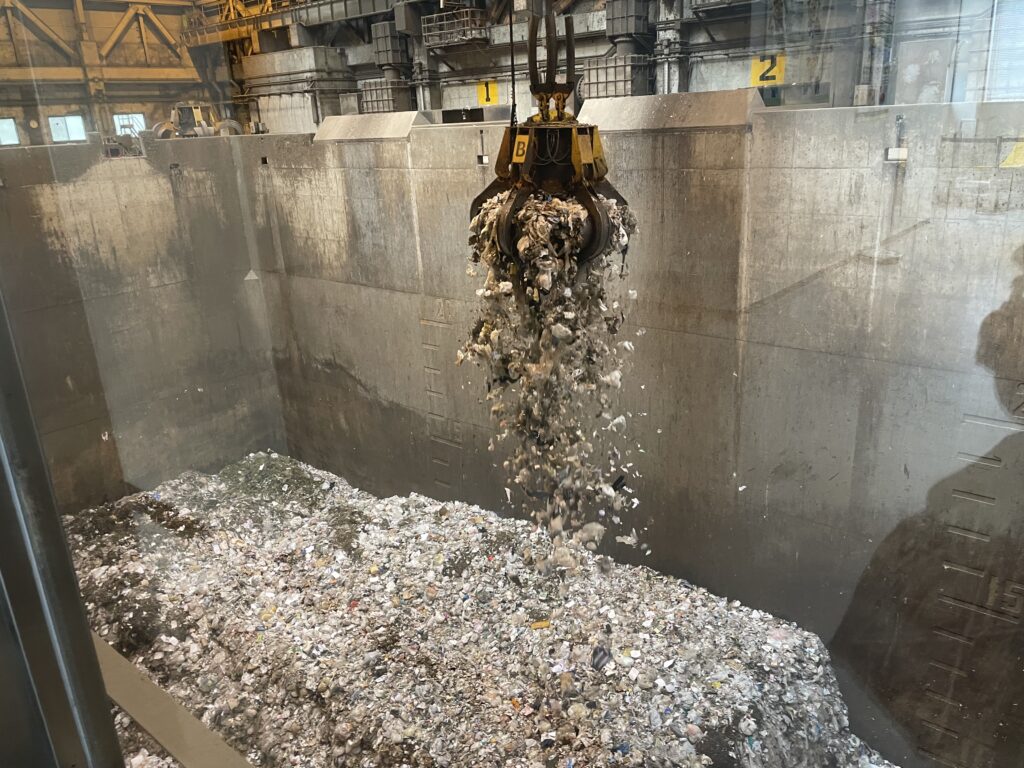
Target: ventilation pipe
x=392, y=56
x=627, y=73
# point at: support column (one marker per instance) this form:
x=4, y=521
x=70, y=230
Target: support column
x=628, y=72
x=392, y=56
x=875, y=52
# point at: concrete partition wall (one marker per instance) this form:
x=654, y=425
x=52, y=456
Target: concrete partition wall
x=879, y=413
x=829, y=367
x=684, y=176
x=826, y=339
x=365, y=329
x=145, y=348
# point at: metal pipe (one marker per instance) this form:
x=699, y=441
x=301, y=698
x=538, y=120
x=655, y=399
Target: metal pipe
x=878, y=29
x=513, y=119
x=626, y=46
x=988, y=51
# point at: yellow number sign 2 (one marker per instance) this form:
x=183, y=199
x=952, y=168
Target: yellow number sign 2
x=768, y=69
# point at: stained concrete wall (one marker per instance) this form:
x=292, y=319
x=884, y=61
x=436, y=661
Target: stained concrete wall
x=879, y=413
x=145, y=348
x=829, y=366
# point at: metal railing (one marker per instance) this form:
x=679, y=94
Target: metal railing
x=382, y=95
x=207, y=24
x=614, y=76
x=455, y=27
x=698, y=5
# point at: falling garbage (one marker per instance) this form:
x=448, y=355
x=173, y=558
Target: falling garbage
x=310, y=623
x=547, y=337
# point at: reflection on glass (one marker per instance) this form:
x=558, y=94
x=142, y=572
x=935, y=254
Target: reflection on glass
x=935, y=626
x=826, y=391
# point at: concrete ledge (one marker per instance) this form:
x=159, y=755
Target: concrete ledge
x=183, y=735
x=385, y=125
x=672, y=110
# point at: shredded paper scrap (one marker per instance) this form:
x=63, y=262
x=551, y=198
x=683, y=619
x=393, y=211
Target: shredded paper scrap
x=312, y=624
x=548, y=337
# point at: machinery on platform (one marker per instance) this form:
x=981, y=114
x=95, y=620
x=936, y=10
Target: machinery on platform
x=195, y=119
x=551, y=152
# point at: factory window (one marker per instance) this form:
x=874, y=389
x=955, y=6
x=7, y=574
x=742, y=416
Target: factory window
x=1005, y=82
x=8, y=132
x=67, y=128
x=129, y=123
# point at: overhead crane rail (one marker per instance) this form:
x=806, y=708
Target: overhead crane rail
x=220, y=21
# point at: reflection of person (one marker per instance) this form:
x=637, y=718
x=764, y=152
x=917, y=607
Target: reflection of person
x=934, y=636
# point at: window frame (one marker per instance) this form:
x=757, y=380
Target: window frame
x=69, y=140
x=120, y=129
x=17, y=132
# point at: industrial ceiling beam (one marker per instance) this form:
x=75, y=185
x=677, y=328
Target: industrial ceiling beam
x=497, y=11
x=162, y=32
x=184, y=4
x=140, y=12
x=119, y=29
x=143, y=36
x=233, y=9
x=109, y=74
x=149, y=74
x=9, y=16
x=28, y=16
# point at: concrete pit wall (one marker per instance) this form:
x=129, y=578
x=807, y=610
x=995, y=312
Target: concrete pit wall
x=144, y=347
x=830, y=364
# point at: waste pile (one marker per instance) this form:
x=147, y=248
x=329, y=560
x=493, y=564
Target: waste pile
x=137, y=747
x=547, y=336
x=312, y=624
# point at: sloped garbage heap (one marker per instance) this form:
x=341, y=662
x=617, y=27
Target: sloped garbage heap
x=547, y=337
x=314, y=625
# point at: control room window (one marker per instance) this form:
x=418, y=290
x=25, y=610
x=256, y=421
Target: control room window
x=129, y=123
x=8, y=132
x=67, y=128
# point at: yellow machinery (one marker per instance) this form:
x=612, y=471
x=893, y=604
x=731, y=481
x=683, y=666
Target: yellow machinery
x=195, y=119
x=551, y=152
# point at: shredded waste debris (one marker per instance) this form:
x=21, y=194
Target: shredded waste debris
x=312, y=624
x=547, y=336
x=138, y=748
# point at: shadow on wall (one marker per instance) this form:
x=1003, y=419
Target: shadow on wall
x=931, y=650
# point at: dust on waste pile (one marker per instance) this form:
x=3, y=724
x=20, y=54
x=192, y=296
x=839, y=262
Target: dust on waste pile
x=431, y=639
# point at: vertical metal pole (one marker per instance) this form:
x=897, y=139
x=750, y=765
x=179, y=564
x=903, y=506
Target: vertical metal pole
x=48, y=616
x=988, y=54
x=512, y=59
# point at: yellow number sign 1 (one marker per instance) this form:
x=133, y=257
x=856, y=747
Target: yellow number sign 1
x=768, y=69
x=487, y=92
